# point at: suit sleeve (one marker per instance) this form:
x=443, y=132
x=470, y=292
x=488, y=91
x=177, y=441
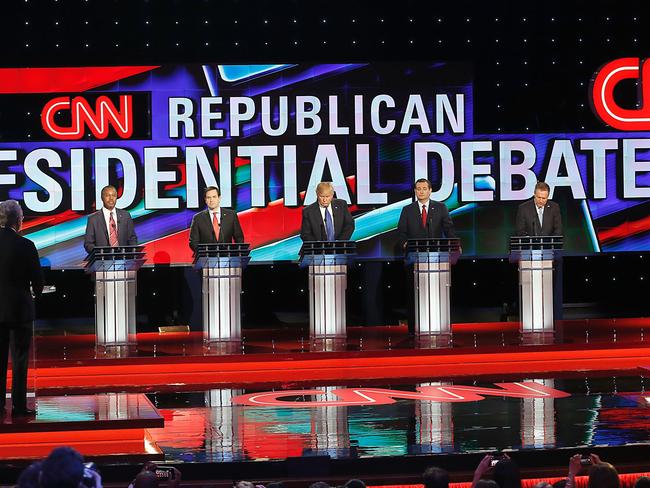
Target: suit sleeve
x=89, y=239
x=306, y=232
x=447, y=223
x=402, y=228
x=238, y=233
x=557, y=221
x=36, y=272
x=133, y=238
x=348, y=224
x=195, y=235
x=520, y=222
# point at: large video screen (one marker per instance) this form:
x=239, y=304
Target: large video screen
x=267, y=134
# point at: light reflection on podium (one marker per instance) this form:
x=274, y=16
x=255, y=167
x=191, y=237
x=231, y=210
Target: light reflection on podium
x=538, y=419
x=434, y=425
x=226, y=443
x=330, y=434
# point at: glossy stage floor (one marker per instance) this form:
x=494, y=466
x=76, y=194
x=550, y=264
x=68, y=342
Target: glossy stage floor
x=377, y=406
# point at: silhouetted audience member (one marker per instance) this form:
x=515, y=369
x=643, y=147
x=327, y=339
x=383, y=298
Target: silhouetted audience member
x=483, y=483
x=642, y=482
x=244, y=484
x=435, y=477
x=318, y=484
x=29, y=477
x=354, y=483
x=278, y=484
x=63, y=468
x=560, y=483
x=146, y=479
x=601, y=475
x=506, y=474
x=543, y=484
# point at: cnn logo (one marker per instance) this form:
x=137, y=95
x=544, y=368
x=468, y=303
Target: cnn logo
x=605, y=107
x=98, y=119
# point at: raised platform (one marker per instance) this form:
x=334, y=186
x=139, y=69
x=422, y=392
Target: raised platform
x=109, y=426
x=180, y=359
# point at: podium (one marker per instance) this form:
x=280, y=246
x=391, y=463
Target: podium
x=115, y=270
x=327, y=262
x=221, y=266
x=432, y=259
x=535, y=255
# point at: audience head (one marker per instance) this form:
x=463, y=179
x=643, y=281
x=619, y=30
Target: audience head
x=29, y=477
x=560, y=483
x=435, y=477
x=318, y=484
x=280, y=484
x=354, y=483
x=11, y=215
x=146, y=479
x=244, y=484
x=642, y=482
x=506, y=474
x=603, y=475
x=63, y=468
x=483, y=483
x=543, y=484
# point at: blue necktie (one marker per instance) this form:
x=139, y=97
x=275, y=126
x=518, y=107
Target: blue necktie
x=329, y=226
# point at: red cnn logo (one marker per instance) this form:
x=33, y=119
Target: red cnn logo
x=98, y=119
x=602, y=94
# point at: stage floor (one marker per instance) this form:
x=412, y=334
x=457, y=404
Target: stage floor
x=575, y=412
x=377, y=407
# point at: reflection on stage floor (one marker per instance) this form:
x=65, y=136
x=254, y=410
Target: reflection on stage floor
x=223, y=425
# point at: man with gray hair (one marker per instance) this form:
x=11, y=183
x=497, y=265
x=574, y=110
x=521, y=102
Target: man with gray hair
x=327, y=219
x=20, y=275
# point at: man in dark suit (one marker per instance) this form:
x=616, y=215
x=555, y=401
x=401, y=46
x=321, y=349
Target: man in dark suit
x=109, y=226
x=421, y=219
x=216, y=224
x=20, y=275
x=327, y=219
x=424, y=217
x=539, y=216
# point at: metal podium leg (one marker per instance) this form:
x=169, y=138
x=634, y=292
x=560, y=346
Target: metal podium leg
x=327, y=311
x=222, y=304
x=432, y=282
x=536, y=300
x=115, y=293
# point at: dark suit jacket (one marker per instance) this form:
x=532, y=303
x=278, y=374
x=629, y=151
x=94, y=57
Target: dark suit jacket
x=201, y=231
x=528, y=222
x=97, y=233
x=410, y=226
x=313, y=226
x=19, y=269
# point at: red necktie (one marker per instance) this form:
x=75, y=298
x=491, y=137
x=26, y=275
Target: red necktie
x=215, y=225
x=112, y=236
x=424, y=215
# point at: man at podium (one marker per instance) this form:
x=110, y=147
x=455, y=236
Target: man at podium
x=20, y=275
x=109, y=226
x=327, y=219
x=424, y=217
x=216, y=224
x=539, y=216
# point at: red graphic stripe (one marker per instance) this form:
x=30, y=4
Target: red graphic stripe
x=51, y=80
x=625, y=230
x=260, y=226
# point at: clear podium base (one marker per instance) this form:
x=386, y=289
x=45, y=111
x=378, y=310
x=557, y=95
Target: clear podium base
x=433, y=341
x=537, y=338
